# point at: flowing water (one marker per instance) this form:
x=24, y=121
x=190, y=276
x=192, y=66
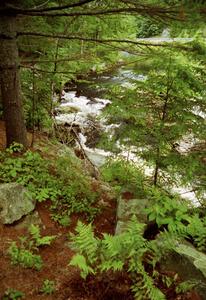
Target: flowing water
x=83, y=102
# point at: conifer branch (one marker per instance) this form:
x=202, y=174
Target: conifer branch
x=152, y=11
x=19, y=10
x=77, y=38
x=106, y=42
x=46, y=71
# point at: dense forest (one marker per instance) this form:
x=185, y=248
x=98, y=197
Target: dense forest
x=103, y=149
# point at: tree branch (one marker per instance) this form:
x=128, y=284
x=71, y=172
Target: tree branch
x=151, y=11
x=77, y=38
x=46, y=71
x=19, y=10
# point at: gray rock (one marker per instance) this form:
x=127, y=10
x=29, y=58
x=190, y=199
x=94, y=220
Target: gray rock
x=15, y=202
x=189, y=264
x=31, y=219
x=120, y=227
x=126, y=209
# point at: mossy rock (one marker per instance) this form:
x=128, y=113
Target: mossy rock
x=15, y=202
x=67, y=109
x=189, y=264
x=126, y=209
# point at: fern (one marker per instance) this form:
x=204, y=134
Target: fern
x=144, y=287
x=113, y=245
x=34, y=230
x=127, y=250
x=24, y=257
x=197, y=229
x=85, y=242
x=178, y=217
x=79, y=261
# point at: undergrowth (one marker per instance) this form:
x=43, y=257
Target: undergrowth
x=131, y=251
x=124, y=176
x=167, y=210
x=26, y=254
x=48, y=287
x=61, y=180
x=12, y=294
x=177, y=216
x=128, y=251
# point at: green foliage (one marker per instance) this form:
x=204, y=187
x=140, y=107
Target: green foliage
x=12, y=294
x=197, y=229
x=25, y=254
x=157, y=113
x=148, y=27
x=15, y=148
x=129, y=250
x=62, y=219
x=55, y=61
x=186, y=286
x=48, y=287
x=24, y=257
x=84, y=240
x=62, y=181
x=125, y=175
x=168, y=281
x=167, y=210
x=177, y=216
x=34, y=231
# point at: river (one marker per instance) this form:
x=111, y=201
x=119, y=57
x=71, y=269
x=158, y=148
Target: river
x=82, y=103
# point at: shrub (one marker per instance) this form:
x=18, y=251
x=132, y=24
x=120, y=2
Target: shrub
x=128, y=251
x=48, y=287
x=12, y=294
x=124, y=175
x=148, y=27
x=25, y=254
x=62, y=181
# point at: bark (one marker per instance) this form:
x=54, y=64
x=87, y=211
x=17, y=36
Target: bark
x=156, y=172
x=10, y=83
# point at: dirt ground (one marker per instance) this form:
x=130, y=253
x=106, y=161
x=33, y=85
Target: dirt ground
x=56, y=257
x=69, y=284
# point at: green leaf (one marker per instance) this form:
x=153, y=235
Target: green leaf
x=79, y=261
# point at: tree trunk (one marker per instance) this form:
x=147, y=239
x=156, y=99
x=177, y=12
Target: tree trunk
x=156, y=171
x=10, y=83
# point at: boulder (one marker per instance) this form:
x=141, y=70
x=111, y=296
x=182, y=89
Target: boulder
x=15, y=202
x=32, y=218
x=126, y=208
x=189, y=264
x=67, y=109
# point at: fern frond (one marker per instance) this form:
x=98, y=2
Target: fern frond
x=80, y=262
x=85, y=242
x=113, y=245
x=34, y=230
x=135, y=227
x=144, y=287
x=134, y=234
x=115, y=265
x=114, y=252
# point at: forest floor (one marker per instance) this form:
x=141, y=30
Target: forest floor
x=56, y=257
x=69, y=285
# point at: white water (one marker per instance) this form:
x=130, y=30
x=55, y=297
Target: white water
x=166, y=38
x=84, y=108
x=158, y=40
